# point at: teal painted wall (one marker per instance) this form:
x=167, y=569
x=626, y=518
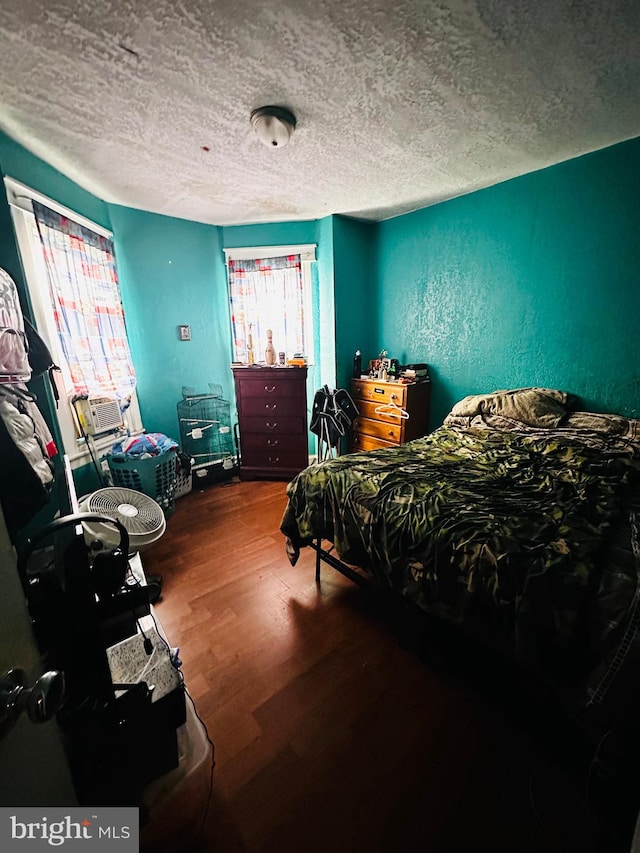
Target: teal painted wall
x=172, y=273
x=356, y=321
x=20, y=164
x=325, y=329
x=270, y=234
x=531, y=282
x=9, y=256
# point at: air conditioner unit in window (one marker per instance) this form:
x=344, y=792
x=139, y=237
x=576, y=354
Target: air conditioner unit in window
x=99, y=414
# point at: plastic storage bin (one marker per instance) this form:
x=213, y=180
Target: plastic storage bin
x=156, y=476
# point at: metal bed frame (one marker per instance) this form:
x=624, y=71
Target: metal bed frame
x=325, y=555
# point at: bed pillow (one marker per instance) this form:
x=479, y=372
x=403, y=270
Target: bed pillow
x=607, y=424
x=538, y=407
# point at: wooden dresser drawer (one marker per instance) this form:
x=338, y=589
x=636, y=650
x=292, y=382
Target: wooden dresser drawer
x=281, y=406
x=260, y=442
x=378, y=392
x=378, y=429
x=281, y=453
x=273, y=425
x=359, y=441
x=369, y=409
x=271, y=387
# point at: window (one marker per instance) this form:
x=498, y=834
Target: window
x=73, y=286
x=270, y=289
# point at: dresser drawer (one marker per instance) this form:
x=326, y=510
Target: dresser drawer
x=265, y=405
x=273, y=425
x=291, y=452
x=378, y=392
x=271, y=387
x=259, y=442
x=368, y=408
x=378, y=429
x=359, y=441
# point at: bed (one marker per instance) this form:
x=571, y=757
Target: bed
x=515, y=520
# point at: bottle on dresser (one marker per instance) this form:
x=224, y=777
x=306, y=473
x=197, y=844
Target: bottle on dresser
x=270, y=351
x=357, y=364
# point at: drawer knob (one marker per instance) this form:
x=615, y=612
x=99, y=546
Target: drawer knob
x=274, y=459
x=270, y=407
x=272, y=442
x=270, y=425
x=269, y=390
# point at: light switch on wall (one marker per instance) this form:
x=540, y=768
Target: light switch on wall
x=184, y=333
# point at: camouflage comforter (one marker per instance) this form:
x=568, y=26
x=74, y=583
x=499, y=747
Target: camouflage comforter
x=506, y=526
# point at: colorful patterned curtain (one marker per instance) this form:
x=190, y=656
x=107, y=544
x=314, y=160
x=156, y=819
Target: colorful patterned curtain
x=267, y=293
x=86, y=304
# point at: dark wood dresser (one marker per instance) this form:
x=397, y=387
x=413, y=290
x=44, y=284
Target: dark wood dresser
x=380, y=423
x=272, y=416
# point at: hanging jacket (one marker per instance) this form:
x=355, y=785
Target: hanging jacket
x=332, y=413
x=26, y=471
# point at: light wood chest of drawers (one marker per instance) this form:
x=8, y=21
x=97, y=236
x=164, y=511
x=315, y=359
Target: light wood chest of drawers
x=272, y=419
x=378, y=425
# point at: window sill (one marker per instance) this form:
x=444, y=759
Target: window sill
x=80, y=455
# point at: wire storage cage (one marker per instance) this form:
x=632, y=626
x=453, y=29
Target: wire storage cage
x=206, y=435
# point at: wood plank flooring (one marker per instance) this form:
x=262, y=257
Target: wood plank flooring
x=329, y=734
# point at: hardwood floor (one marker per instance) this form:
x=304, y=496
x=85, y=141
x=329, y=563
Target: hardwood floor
x=329, y=734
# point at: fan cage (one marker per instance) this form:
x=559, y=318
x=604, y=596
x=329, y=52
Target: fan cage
x=111, y=501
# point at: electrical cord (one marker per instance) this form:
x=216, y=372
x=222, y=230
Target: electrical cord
x=101, y=478
x=594, y=763
x=588, y=801
x=147, y=643
x=176, y=663
x=198, y=717
x=611, y=786
x=538, y=816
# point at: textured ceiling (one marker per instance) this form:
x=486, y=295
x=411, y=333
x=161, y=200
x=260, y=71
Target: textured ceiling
x=399, y=104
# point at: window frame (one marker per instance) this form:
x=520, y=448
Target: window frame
x=307, y=252
x=20, y=198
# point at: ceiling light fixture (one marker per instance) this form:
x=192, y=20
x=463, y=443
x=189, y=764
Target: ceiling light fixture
x=273, y=125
